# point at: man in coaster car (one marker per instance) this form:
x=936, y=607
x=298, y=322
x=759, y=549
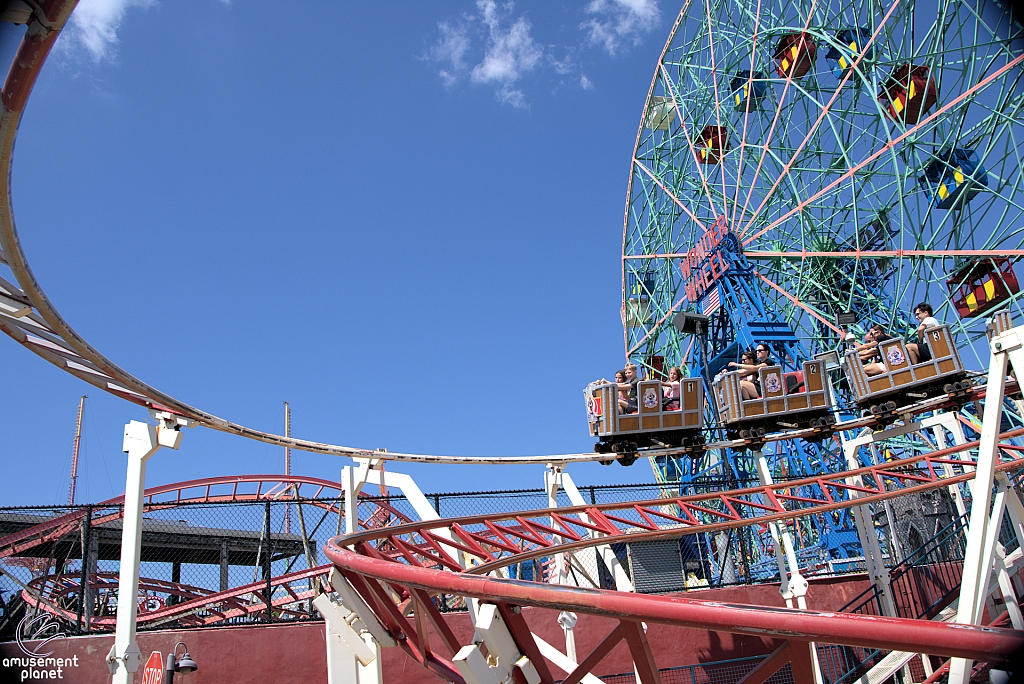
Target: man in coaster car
x=920, y=351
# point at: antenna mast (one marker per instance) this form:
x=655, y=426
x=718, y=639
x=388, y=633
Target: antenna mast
x=74, y=456
x=287, y=465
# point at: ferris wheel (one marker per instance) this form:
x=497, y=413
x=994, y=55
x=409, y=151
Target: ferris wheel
x=796, y=160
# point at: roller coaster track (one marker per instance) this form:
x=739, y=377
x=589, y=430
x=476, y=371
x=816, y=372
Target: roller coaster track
x=396, y=569
x=408, y=563
x=209, y=490
x=28, y=316
x=195, y=606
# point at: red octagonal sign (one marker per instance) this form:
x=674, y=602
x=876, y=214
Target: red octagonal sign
x=154, y=669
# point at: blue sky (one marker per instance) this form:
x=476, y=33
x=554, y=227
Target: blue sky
x=403, y=218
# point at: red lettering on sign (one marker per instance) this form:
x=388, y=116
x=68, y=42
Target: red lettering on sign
x=702, y=266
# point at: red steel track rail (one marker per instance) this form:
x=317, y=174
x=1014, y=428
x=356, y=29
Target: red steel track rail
x=47, y=592
x=196, y=607
x=409, y=563
x=207, y=490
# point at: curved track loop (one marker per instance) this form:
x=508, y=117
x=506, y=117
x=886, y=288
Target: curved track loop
x=49, y=592
x=239, y=488
x=30, y=319
x=401, y=567
x=195, y=606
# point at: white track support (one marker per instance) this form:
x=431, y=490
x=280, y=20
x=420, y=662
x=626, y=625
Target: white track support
x=873, y=558
x=553, y=477
x=353, y=656
x=982, y=533
x=354, y=478
x=957, y=430
x=343, y=662
x=611, y=561
x=141, y=441
x=552, y=483
x=794, y=586
x=503, y=656
x=895, y=546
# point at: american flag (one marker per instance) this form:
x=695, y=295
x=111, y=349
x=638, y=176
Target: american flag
x=712, y=302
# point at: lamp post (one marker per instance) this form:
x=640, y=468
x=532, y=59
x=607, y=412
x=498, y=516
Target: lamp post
x=184, y=664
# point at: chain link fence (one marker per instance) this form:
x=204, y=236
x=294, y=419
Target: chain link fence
x=261, y=561
x=719, y=672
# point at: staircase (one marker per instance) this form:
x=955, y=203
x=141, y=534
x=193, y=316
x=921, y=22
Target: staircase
x=924, y=586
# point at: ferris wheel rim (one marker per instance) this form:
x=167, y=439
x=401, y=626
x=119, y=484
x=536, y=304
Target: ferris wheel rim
x=748, y=231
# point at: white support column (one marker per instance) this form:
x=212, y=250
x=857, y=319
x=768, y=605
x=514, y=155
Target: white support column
x=344, y=662
x=611, y=561
x=503, y=656
x=141, y=441
x=552, y=483
x=895, y=547
x=794, y=585
x=353, y=656
x=873, y=558
x=1006, y=589
x=566, y=619
x=353, y=480
x=957, y=430
x=1006, y=349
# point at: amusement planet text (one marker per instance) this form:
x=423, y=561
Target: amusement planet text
x=33, y=669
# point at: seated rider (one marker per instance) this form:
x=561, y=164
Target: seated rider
x=670, y=389
x=869, y=354
x=750, y=363
x=628, y=390
x=920, y=351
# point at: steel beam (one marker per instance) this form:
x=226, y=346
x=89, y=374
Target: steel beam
x=1006, y=349
x=843, y=628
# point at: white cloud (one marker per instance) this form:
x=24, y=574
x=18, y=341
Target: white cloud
x=493, y=45
x=93, y=26
x=450, y=51
x=509, y=52
x=618, y=23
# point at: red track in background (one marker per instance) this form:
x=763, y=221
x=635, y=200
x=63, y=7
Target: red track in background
x=399, y=568
x=46, y=592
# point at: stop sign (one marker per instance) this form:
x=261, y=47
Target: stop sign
x=154, y=670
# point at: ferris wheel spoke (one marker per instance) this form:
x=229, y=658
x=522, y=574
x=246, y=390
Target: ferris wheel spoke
x=657, y=181
x=771, y=129
x=715, y=89
x=655, y=327
x=752, y=58
x=910, y=131
x=667, y=80
x=825, y=109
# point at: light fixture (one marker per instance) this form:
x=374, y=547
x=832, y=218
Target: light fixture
x=184, y=664
x=690, y=323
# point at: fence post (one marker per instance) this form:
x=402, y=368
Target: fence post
x=267, y=570
x=84, y=595
x=437, y=504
